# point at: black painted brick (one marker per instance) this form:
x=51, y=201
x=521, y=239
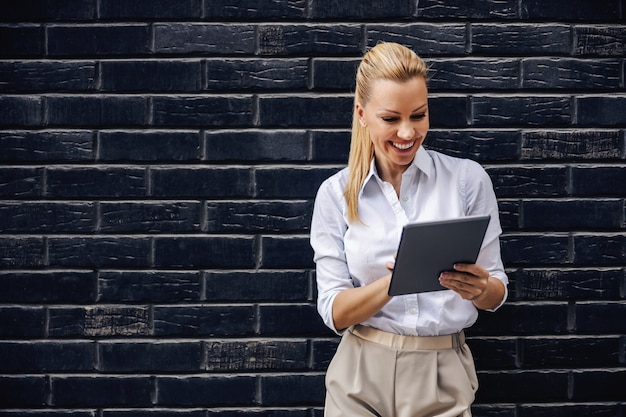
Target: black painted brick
x=154, y=412
x=543, y=145
x=148, y=146
x=314, y=111
x=323, y=352
x=218, y=321
x=555, y=73
x=256, y=286
x=535, y=249
x=20, y=111
x=577, y=10
x=303, y=183
x=206, y=391
x=20, y=181
x=520, y=39
x=426, y=39
x=22, y=322
x=23, y=41
x=98, y=251
x=368, y=9
x=289, y=40
x=149, y=9
x=494, y=353
x=47, y=356
x=253, y=355
x=509, y=215
x=600, y=40
x=569, y=410
x=256, y=145
x=49, y=10
x=201, y=182
x=99, y=321
x=601, y=111
x=20, y=76
x=303, y=389
x=529, y=181
x=334, y=73
x=598, y=180
x=96, y=111
x=47, y=287
x=330, y=146
x=292, y=320
x=462, y=9
x=148, y=286
x=572, y=352
x=530, y=386
x=24, y=252
x=204, y=252
x=46, y=217
x=258, y=216
x=599, y=385
x=600, y=249
x=257, y=74
x=479, y=145
x=158, y=76
x=521, y=111
x=524, y=318
x=205, y=112
x=149, y=216
x=566, y=214
x=205, y=38
x=153, y=356
x=473, y=74
x=255, y=9
x=98, y=40
x=447, y=111
x=95, y=182
x=286, y=252
x=23, y=391
x=600, y=317
x=101, y=391
x=46, y=146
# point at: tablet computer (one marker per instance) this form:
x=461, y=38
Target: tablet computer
x=429, y=248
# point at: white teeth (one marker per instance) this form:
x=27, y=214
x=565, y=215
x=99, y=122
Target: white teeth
x=403, y=146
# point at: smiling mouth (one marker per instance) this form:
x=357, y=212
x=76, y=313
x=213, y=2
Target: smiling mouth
x=403, y=146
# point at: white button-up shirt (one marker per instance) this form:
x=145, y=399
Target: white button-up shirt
x=434, y=187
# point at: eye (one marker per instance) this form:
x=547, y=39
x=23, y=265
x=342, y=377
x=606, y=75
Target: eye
x=389, y=119
x=419, y=116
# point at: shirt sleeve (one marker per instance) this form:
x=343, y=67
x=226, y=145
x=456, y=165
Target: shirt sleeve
x=481, y=200
x=328, y=227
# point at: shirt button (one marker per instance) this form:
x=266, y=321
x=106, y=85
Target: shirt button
x=412, y=311
x=405, y=198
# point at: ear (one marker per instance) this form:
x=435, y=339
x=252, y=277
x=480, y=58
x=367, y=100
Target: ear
x=358, y=108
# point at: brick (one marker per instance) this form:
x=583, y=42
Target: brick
x=152, y=356
x=568, y=410
x=287, y=39
x=524, y=318
x=535, y=249
x=330, y=146
x=494, y=353
x=46, y=146
x=571, y=215
x=568, y=284
x=598, y=180
x=168, y=412
x=205, y=38
x=149, y=9
x=98, y=40
x=46, y=217
x=286, y=252
x=21, y=41
x=600, y=249
x=49, y=10
x=96, y=182
x=520, y=39
x=289, y=9
x=473, y=74
x=303, y=390
x=47, y=356
x=370, y=9
x=426, y=39
x=257, y=74
x=101, y=391
x=22, y=322
x=96, y=111
x=303, y=182
x=568, y=145
x=205, y=112
x=150, y=216
x=259, y=412
x=214, y=321
x=99, y=321
x=20, y=76
x=334, y=73
x=47, y=287
x=570, y=352
x=292, y=320
x=21, y=252
x=204, y=252
x=269, y=286
x=447, y=111
x=530, y=386
x=494, y=410
x=149, y=146
x=555, y=73
x=20, y=111
x=23, y=391
x=201, y=182
x=253, y=355
x=529, y=181
x=600, y=40
x=599, y=385
x=594, y=317
x=478, y=145
x=462, y=9
x=98, y=251
x=509, y=215
x=521, y=111
x=21, y=182
x=148, y=286
x=323, y=352
x=258, y=216
x=578, y=10
x=158, y=76
x=256, y=145
x=206, y=391
x=601, y=111
x=314, y=111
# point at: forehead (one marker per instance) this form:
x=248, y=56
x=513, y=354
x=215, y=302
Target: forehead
x=389, y=93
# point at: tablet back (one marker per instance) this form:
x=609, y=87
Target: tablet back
x=429, y=248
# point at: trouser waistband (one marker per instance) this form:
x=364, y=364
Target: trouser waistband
x=397, y=341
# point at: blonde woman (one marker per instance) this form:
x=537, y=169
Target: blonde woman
x=405, y=355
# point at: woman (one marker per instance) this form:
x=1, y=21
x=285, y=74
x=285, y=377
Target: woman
x=403, y=355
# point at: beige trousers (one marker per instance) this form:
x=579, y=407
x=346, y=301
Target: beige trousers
x=374, y=373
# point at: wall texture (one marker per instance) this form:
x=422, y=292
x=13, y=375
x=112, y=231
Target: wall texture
x=158, y=161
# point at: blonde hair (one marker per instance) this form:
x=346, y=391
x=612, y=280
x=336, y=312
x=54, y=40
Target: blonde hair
x=385, y=61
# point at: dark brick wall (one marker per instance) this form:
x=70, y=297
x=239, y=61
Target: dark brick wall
x=158, y=161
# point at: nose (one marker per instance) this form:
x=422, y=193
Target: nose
x=406, y=131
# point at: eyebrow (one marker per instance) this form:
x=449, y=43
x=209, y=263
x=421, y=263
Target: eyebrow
x=413, y=111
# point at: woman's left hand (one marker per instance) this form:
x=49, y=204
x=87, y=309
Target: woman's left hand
x=468, y=280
